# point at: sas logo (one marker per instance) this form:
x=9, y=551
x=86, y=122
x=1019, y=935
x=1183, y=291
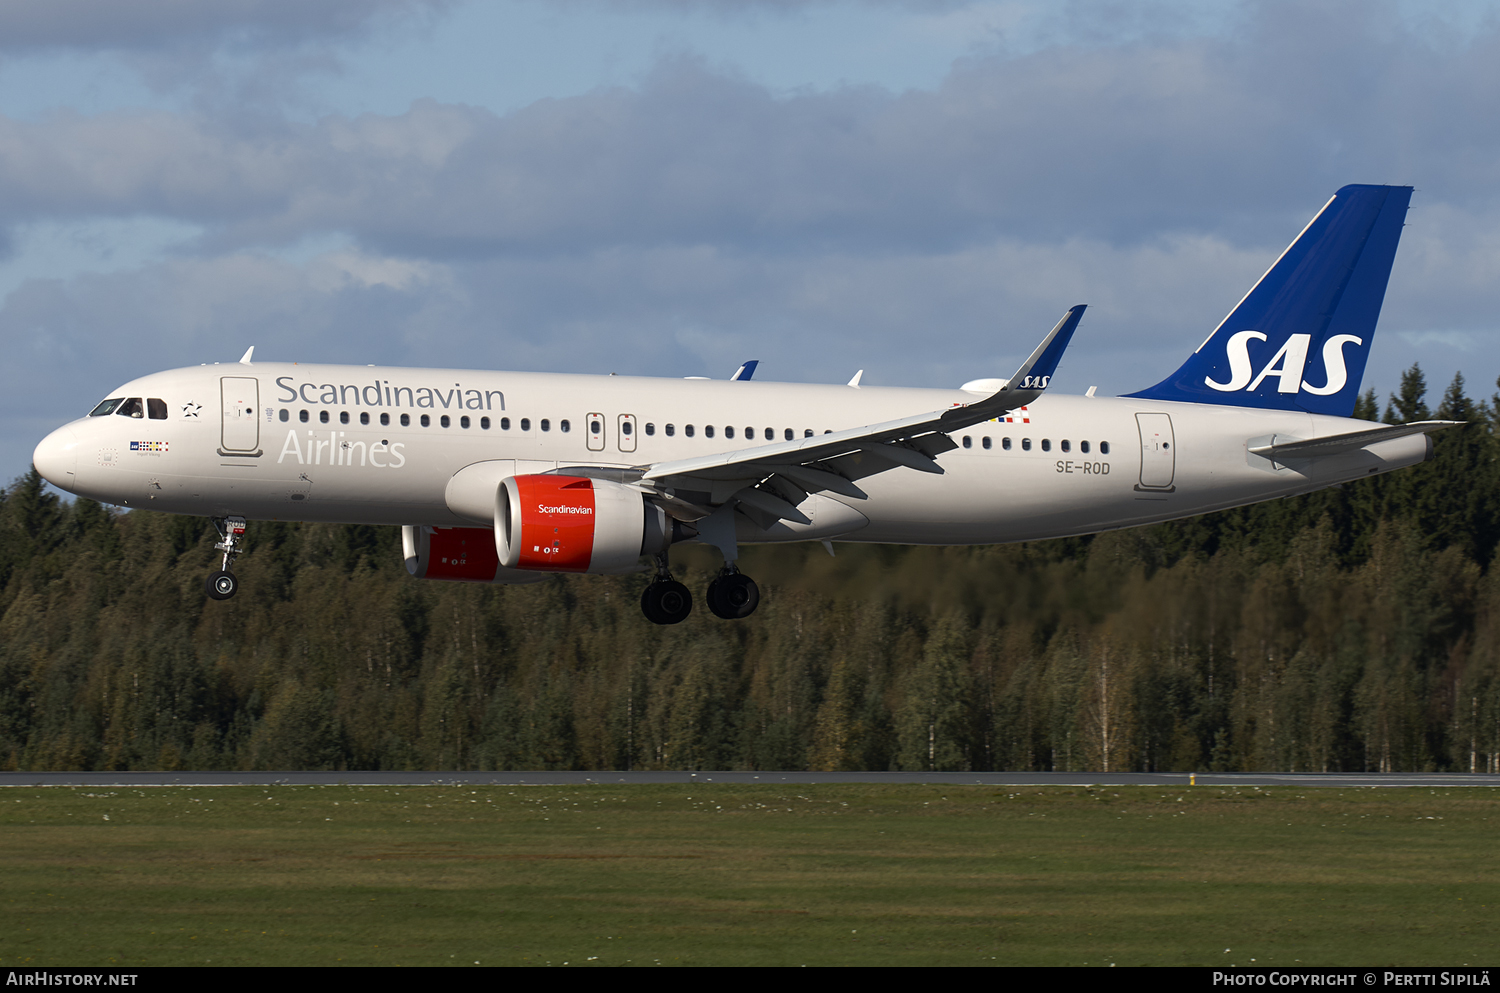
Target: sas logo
x=1035, y=382
x=1287, y=366
x=148, y=446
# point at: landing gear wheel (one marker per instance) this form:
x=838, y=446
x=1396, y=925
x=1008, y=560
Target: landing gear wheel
x=666, y=602
x=221, y=585
x=733, y=595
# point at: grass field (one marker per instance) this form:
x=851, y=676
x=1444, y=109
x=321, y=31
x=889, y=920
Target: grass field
x=748, y=875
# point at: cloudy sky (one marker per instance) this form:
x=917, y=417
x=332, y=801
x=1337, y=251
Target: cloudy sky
x=669, y=187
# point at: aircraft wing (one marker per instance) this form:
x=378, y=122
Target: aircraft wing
x=834, y=461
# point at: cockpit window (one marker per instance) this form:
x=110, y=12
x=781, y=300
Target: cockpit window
x=156, y=409
x=132, y=408
x=107, y=407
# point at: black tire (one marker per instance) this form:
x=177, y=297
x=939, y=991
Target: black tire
x=667, y=602
x=733, y=595
x=221, y=585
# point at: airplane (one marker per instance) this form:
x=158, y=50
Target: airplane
x=502, y=477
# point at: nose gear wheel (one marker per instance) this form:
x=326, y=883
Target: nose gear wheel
x=222, y=585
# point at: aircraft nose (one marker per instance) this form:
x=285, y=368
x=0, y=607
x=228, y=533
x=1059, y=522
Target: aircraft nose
x=56, y=458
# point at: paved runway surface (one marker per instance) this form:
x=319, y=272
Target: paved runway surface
x=1298, y=779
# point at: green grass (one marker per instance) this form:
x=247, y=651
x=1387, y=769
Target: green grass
x=747, y=875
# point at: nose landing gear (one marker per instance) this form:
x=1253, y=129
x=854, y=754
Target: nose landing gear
x=221, y=585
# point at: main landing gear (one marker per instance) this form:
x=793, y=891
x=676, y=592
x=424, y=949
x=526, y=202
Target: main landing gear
x=665, y=601
x=731, y=595
x=222, y=585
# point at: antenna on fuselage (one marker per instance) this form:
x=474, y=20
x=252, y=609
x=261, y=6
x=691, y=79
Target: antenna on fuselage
x=245, y=359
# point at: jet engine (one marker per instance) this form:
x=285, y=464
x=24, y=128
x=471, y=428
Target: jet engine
x=465, y=555
x=557, y=523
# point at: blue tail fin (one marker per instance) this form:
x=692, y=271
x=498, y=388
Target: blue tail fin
x=1300, y=338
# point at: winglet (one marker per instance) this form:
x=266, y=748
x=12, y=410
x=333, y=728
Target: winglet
x=245, y=359
x=855, y=381
x=745, y=371
x=1029, y=382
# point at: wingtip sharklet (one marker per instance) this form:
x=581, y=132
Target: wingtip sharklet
x=1029, y=382
x=1044, y=361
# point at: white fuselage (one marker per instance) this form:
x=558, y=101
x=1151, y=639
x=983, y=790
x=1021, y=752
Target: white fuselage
x=274, y=441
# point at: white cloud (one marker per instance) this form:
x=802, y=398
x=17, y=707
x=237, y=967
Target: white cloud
x=29, y=25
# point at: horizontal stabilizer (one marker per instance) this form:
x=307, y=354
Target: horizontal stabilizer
x=1340, y=444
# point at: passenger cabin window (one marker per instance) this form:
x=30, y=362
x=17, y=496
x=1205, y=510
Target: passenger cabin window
x=708, y=430
x=426, y=421
x=343, y=417
x=107, y=407
x=156, y=409
x=789, y=434
x=406, y=420
x=1067, y=445
x=671, y=430
x=504, y=422
x=286, y=415
x=650, y=429
x=364, y=417
x=463, y=421
x=546, y=424
x=444, y=420
x=1103, y=448
x=729, y=431
x=1046, y=444
x=1025, y=444
x=525, y=424
x=968, y=442
x=985, y=442
x=688, y=430
x=323, y=416
x=484, y=423
x=302, y=416
x=770, y=434
x=565, y=427
x=1005, y=443
x=1083, y=447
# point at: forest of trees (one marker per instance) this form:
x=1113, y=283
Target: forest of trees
x=1353, y=629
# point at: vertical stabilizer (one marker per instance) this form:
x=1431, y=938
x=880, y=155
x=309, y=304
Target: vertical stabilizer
x=1300, y=338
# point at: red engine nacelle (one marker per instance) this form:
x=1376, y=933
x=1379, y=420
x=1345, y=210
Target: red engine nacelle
x=575, y=524
x=465, y=555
